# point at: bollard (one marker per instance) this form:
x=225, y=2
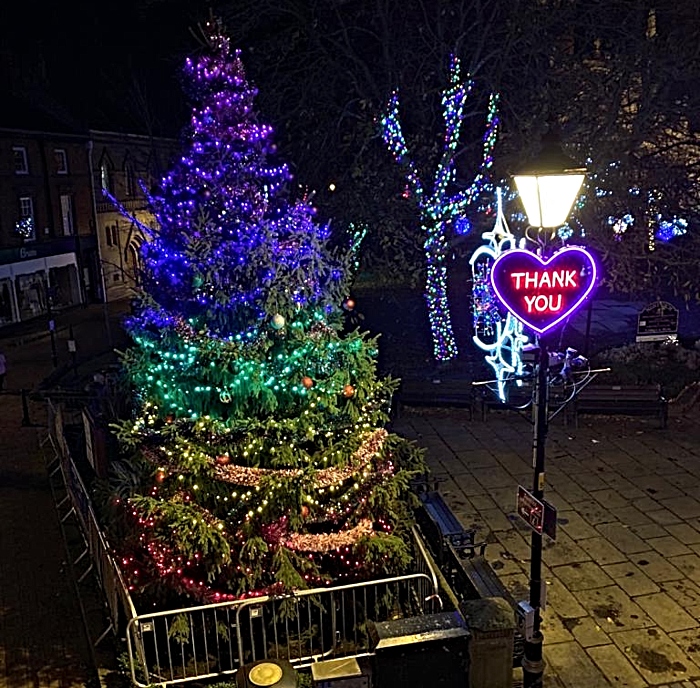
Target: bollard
x=491, y=623
x=25, y=409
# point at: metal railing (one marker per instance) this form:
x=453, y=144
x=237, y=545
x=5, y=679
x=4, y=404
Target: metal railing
x=209, y=641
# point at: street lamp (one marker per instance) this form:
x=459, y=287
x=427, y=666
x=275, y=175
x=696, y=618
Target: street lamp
x=548, y=186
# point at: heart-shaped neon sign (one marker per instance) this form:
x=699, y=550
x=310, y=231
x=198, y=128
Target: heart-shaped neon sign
x=542, y=292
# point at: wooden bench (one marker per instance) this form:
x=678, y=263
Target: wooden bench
x=449, y=393
x=443, y=529
x=461, y=559
x=626, y=400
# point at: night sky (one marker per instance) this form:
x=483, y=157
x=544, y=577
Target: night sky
x=89, y=60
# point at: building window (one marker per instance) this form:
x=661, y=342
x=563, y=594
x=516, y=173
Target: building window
x=105, y=177
x=26, y=218
x=67, y=214
x=112, y=235
x=129, y=182
x=19, y=157
x=61, y=160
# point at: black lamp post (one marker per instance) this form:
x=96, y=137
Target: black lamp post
x=548, y=186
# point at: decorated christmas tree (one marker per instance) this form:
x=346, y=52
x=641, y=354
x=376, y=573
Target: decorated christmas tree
x=256, y=459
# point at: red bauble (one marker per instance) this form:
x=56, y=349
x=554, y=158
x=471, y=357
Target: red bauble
x=348, y=391
x=170, y=418
x=307, y=382
x=161, y=475
x=349, y=304
x=305, y=511
x=223, y=459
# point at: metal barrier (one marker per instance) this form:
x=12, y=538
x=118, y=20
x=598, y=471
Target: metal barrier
x=77, y=503
x=218, y=639
x=209, y=641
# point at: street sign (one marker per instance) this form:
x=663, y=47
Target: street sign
x=658, y=322
x=541, y=516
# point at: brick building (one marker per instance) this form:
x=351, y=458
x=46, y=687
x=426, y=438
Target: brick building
x=62, y=242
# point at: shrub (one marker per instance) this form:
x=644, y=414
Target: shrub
x=670, y=365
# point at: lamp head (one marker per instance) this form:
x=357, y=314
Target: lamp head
x=548, y=184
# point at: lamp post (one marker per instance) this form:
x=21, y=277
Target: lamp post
x=547, y=186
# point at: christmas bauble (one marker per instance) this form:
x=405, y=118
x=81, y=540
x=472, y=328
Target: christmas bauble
x=223, y=459
x=278, y=321
x=305, y=511
x=307, y=382
x=348, y=391
x=161, y=475
x=169, y=418
x=349, y=304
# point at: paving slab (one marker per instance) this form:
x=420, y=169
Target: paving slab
x=631, y=579
x=655, y=566
x=613, y=609
x=615, y=666
x=563, y=551
x=587, y=631
x=584, y=575
x=573, y=666
x=622, y=537
x=601, y=551
x=666, y=612
x=683, y=591
x=655, y=656
x=683, y=506
x=663, y=516
x=653, y=530
x=668, y=546
x=684, y=532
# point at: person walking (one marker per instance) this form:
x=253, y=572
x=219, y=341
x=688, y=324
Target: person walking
x=3, y=371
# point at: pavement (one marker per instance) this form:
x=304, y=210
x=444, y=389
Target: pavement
x=48, y=621
x=623, y=576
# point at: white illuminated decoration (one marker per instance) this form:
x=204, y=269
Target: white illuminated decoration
x=496, y=331
x=25, y=227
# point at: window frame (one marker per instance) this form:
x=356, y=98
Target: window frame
x=27, y=202
x=67, y=213
x=21, y=150
x=62, y=154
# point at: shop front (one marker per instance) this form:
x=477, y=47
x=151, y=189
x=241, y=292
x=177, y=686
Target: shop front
x=31, y=283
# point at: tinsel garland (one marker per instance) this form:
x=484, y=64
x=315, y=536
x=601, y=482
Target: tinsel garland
x=302, y=542
x=247, y=476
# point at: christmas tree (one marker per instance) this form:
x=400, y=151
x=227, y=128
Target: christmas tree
x=256, y=459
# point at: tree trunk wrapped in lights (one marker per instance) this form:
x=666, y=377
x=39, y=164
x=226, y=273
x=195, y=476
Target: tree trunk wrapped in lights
x=442, y=205
x=256, y=460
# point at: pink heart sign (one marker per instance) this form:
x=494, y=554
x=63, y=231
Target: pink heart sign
x=542, y=292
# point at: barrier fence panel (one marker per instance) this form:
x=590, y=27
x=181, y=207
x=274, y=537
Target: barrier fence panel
x=216, y=640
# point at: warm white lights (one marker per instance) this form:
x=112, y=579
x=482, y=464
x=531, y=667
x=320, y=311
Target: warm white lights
x=548, y=198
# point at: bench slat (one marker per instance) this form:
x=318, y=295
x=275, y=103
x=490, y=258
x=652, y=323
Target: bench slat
x=638, y=400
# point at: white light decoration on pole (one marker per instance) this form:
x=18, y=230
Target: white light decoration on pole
x=548, y=185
